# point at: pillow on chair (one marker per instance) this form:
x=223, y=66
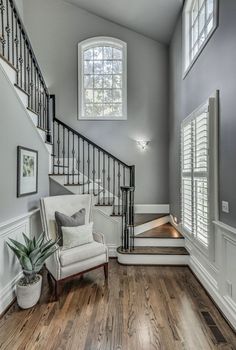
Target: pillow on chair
x=76, y=219
x=76, y=236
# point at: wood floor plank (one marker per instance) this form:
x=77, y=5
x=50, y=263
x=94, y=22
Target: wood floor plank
x=163, y=231
x=139, y=308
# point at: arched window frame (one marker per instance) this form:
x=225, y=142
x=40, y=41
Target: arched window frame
x=98, y=42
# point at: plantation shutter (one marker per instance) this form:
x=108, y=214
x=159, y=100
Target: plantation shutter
x=194, y=174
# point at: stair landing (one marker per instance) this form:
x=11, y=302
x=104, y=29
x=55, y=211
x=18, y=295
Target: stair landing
x=140, y=219
x=163, y=231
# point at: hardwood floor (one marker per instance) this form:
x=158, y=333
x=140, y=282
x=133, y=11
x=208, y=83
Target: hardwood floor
x=141, y=307
x=140, y=219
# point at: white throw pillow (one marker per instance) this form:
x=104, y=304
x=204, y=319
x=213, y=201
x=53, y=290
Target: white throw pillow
x=78, y=235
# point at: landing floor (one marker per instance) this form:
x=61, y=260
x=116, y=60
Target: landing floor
x=140, y=308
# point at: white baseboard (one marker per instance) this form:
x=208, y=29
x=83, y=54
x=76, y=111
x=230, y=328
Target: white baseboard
x=152, y=208
x=142, y=259
x=224, y=303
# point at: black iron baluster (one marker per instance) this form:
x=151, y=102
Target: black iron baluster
x=12, y=36
x=104, y=178
x=28, y=75
x=108, y=180
x=88, y=168
x=3, y=40
x=25, y=86
x=31, y=85
x=21, y=60
x=58, y=148
x=99, y=176
x=8, y=30
x=78, y=160
x=35, y=95
x=17, y=54
x=73, y=159
x=94, y=171
x=118, y=190
x=68, y=155
x=83, y=165
x=63, y=150
x=114, y=186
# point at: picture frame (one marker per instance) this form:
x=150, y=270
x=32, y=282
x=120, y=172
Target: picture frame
x=27, y=171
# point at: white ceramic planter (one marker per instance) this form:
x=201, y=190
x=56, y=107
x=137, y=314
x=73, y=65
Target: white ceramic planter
x=28, y=296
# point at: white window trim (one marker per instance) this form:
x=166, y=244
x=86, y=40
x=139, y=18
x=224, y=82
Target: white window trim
x=186, y=29
x=93, y=42
x=213, y=106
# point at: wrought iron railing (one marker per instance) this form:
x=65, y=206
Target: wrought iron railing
x=90, y=167
x=16, y=49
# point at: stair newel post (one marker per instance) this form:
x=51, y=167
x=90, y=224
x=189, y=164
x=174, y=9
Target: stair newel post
x=94, y=171
x=127, y=226
x=108, y=180
x=99, y=176
x=118, y=194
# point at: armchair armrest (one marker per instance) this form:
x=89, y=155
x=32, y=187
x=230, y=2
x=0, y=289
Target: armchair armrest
x=99, y=237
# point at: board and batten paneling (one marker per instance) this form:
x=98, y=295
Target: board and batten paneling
x=10, y=270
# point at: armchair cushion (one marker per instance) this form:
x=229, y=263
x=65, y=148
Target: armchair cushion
x=78, y=235
x=68, y=221
x=80, y=253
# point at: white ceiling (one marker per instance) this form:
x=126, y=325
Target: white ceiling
x=153, y=18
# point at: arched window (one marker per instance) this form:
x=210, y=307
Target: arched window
x=102, y=79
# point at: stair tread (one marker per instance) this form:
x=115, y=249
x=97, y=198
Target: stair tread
x=163, y=231
x=156, y=251
x=140, y=219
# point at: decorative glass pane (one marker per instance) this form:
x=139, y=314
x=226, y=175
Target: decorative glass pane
x=202, y=19
x=194, y=11
x=210, y=26
x=117, y=110
x=88, y=81
x=89, y=110
x=107, y=67
x=117, y=81
x=98, y=53
x=88, y=96
x=107, y=81
x=210, y=8
x=117, y=54
x=107, y=53
x=108, y=96
x=98, y=110
x=98, y=96
x=88, y=54
x=88, y=67
x=98, y=81
x=117, y=95
x=195, y=33
x=98, y=67
x=108, y=109
x=117, y=67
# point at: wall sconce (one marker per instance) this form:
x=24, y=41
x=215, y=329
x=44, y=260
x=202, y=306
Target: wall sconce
x=143, y=144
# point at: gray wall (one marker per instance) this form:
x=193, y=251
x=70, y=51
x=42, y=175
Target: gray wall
x=214, y=69
x=55, y=29
x=16, y=129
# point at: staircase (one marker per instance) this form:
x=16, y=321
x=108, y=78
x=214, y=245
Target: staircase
x=81, y=166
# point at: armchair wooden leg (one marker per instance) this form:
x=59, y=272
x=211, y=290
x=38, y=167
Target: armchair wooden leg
x=106, y=271
x=57, y=290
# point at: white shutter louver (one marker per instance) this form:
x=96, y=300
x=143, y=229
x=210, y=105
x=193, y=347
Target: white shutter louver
x=194, y=174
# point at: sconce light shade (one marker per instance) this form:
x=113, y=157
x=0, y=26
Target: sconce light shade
x=142, y=144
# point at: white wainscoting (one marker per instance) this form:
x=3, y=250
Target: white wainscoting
x=10, y=271
x=218, y=276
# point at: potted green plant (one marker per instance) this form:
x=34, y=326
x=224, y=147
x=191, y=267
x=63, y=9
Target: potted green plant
x=31, y=256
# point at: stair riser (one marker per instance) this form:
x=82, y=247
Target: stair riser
x=158, y=242
x=141, y=259
x=151, y=224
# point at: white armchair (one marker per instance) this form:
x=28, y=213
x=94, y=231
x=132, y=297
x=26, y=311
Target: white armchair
x=66, y=264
